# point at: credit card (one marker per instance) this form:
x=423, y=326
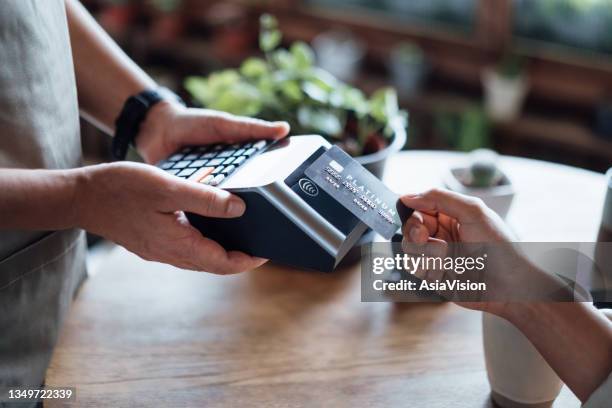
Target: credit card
x=358, y=190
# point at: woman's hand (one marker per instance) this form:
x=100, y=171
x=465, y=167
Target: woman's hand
x=169, y=126
x=141, y=208
x=445, y=216
x=445, y=223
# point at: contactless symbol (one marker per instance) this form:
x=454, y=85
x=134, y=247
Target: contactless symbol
x=308, y=187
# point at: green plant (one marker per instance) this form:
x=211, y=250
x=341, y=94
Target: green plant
x=286, y=85
x=409, y=53
x=510, y=66
x=483, y=169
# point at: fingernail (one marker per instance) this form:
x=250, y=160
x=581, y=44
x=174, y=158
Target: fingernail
x=286, y=127
x=415, y=233
x=236, y=207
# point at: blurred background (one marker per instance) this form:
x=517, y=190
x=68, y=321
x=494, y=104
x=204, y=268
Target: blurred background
x=530, y=78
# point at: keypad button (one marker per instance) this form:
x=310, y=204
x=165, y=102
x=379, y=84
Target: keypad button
x=247, y=145
x=239, y=160
x=228, y=170
x=215, y=162
x=175, y=157
x=226, y=153
x=191, y=157
x=229, y=160
x=186, y=150
x=201, y=149
x=166, y=165
x=207, y=179
x=216, y=148
x=186, y=172
x=260, y=145
x=181, y=164
x=201, y=173
x=218, y=170
x=198, y=163
x=239, y=152
x=173, y=171
x=218, y=179
x=249, y=152
x=208, y=155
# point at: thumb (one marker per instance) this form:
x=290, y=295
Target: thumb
x=207, y=201
x=455, y=205
x=238, y=128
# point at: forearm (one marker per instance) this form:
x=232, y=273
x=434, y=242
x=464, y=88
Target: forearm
x=574, y=338
x=38, y=199
x=105, y=75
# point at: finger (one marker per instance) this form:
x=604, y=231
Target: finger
x=463, y=208
x=205, y=200
x=211, y=257
x=238, y=128
x=415, y=231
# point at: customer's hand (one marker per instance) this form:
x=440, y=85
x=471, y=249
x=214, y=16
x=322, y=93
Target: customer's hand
x=169, y=126
x=443, y=218
x=141, y=208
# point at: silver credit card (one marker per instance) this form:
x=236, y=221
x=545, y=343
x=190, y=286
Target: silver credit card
x=358, y=190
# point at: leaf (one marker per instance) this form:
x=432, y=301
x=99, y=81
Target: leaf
x=351, y=99
x=384, y=105
x=269, y=40
x=223, y=79
x=323, y=78
x=199, y=89
x=291, y=90
x=268, y=22
x=316, y=92
x=240, y=99
x=302, y=55
x=254, y=67
x=320, y=121
x=283, y=60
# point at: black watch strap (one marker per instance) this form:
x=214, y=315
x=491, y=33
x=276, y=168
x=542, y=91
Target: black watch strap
x=133, y=113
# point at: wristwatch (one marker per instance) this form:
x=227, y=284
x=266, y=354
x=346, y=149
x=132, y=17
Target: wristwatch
x=133, y=113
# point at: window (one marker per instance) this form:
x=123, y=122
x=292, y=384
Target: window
x=585, y=25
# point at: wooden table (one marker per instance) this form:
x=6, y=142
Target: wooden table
x=146, y=334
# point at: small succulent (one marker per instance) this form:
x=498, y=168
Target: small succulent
x=483, y=171
x=511, y=66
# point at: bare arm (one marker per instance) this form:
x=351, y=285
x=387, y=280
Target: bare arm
x=105, y=76
x=38, y=199
x=574, y=338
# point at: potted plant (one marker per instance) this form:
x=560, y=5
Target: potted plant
x=505, y=88
x=408, y=68
x=286, y=85
x=483, y=179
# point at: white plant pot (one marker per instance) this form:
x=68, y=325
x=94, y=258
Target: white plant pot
x=498, y=198
x=503, y=96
